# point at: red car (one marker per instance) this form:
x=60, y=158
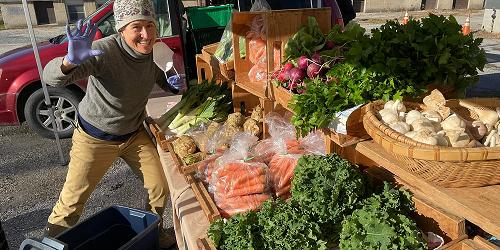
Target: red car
x=21, y=95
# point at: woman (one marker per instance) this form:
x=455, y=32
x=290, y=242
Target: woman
x=121, y=74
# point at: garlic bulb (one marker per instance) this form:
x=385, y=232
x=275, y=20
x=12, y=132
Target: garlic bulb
x=389, y=104
x=388, y=116
x=478, y=130
x=399, y=106
x=412, y=116
x=400, y=127
x=425, y=136
x=453, y=122
x=432, y=115
x=422, y=124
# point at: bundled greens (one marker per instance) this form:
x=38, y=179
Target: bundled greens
x=201, y=103
x=328, y=188
x=348, y=86
x=306, y=41
x=287, y=226
x=242, y=231
x=382, y=223
x=432, y=50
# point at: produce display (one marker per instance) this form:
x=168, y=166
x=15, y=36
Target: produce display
x=330, y=73
x=284, y=191
x=438, y=125
x=346, y=214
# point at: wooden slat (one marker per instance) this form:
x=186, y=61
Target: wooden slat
x=483, y=243
x=205, y=244
x=477, y=205
x=156, y=131
x=206, y=202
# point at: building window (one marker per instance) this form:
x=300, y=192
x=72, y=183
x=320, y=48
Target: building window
x=75, y=12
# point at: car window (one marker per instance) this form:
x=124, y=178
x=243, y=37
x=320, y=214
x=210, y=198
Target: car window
x=107, y=25
x=163, y=18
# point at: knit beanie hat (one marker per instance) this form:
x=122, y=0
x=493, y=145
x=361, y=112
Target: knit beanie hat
x=127, y=11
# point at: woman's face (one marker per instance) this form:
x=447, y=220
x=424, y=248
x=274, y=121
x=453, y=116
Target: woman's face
x=140, y=35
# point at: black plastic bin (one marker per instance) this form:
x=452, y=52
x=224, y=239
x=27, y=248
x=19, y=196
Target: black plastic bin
x=116, y=227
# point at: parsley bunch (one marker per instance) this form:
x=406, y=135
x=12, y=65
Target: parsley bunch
x=432, y=50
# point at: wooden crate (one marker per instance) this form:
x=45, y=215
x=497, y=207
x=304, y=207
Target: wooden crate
x=206, y=202
x=203, y=69
x=226, y=70
x=157, y=133
x=248, y=100
x=280, y=25
x=477, y=243
x=205, y=243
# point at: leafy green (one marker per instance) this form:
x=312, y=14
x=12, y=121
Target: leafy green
x=432, y=50
x=352, y=33
x=348, y=86
x=382, y=223
x=241, y=231
x=195, y=98
x=328, y=188
x=306, y=41
x=286, y=226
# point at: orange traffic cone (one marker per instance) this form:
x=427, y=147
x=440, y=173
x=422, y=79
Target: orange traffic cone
x=406, y=18
x=466, y=26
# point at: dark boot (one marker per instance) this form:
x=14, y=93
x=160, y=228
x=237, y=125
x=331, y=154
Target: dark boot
x=52, y=230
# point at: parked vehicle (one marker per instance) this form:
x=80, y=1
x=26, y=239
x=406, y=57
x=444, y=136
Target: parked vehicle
x=21, y=94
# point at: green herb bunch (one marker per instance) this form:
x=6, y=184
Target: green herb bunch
x=432, y=50
x=348, y=86
x=382, y=223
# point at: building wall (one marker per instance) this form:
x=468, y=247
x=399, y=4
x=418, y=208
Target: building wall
x=61, y=13
x=444, y=5
x=13, y=15
x=391, y=5
x=476, y=4
x=89, y=7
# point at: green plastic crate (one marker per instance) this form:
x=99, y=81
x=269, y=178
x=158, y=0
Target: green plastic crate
x=209, y=16
x=202, y=37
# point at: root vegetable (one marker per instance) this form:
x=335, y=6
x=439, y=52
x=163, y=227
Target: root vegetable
x=400, y=127
x=253, y=127
x=297, y=75
x=303, y=62
x=235, y=119
x=184, y=146
x=412, y=116
x=453, y=122
x=313, y=70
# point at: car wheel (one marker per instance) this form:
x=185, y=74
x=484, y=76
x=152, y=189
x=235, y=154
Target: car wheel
x=65, y=104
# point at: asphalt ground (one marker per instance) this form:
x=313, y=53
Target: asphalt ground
x=31, y=175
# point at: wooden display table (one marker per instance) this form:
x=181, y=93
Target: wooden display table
x=190, y=222
x=481, y=206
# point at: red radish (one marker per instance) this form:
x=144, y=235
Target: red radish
x=313, y=70
x=283, y=76
x=302, y=62
x=297, y=75
x=316, y=57
x=329, y=45
x=288, y=66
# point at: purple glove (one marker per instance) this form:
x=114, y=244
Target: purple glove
x=80, y=43
x=177, y=83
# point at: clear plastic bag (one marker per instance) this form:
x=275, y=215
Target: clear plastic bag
x=260, y=5
x=281, y=172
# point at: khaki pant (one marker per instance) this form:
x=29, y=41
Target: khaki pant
x=91, y=159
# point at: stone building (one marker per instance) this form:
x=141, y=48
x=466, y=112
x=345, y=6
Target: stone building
x=46, y=11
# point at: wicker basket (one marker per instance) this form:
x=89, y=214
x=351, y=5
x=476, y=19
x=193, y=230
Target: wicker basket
x=443, y=166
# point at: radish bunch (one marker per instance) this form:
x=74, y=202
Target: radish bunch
x=292, y=77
